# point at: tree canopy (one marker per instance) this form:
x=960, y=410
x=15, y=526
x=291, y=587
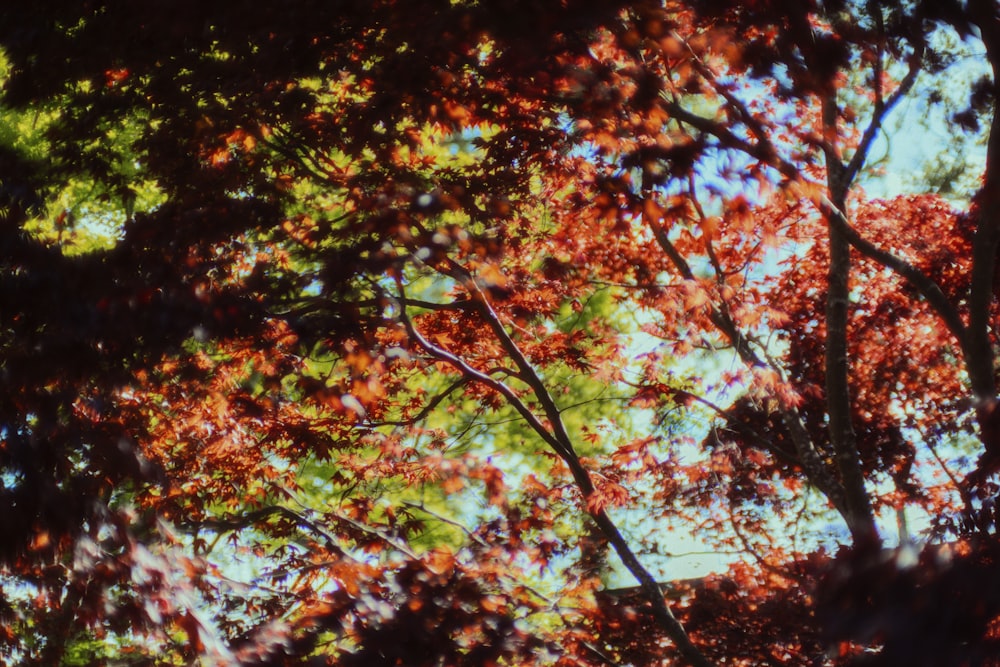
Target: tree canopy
x=426, y=332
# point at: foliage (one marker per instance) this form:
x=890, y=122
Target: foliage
x=399, y=333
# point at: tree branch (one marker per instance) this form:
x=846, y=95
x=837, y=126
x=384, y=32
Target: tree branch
x=241, y=521
x=860, y=517
x=810, y=459
x=975, y=345
x=428, y=408
x=882, y=109
x=558, y=439
x=765, y=152
x=927, y=288
x=979, y=356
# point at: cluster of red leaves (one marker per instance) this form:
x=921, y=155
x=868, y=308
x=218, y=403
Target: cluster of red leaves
x=743, y=618
x=895, y=394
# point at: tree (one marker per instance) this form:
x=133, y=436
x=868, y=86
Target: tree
x=326, y=333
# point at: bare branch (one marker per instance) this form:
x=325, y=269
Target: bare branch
x=882, y=109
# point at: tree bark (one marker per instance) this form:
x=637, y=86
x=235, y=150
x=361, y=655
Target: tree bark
x=860, y=517
x=978, y=347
